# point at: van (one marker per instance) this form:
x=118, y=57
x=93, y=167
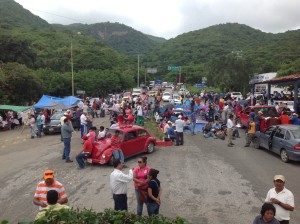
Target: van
x=136, y=92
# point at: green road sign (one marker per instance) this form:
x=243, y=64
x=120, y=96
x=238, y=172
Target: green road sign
x=173, y=68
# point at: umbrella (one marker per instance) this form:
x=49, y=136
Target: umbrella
x=242, y=102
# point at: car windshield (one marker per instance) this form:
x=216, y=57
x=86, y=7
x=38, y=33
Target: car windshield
x=296, y=133
x=267, y=111
x=57, y=116
x=112, y=131
x=237, y=93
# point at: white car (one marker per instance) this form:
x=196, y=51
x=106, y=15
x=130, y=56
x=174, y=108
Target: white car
x=166, y=96
x=175, y=99
x=236, y=95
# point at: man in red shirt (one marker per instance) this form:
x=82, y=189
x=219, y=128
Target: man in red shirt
x=284, y=118
x=115, y=145
x=85, y=153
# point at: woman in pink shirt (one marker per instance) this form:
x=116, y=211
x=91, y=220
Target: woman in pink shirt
x=141, y=182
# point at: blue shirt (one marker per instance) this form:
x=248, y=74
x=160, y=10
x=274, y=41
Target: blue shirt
x=39, y=120
x=295, y=120
x=170, y=132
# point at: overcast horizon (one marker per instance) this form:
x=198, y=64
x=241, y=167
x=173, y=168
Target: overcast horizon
x=168, y=19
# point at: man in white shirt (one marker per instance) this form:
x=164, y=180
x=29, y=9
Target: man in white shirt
x=282, y=199
x=118, y=185
x=140, y=117
x=102, y=133
x=179, y=130
x=230, y=127
x=83, y=123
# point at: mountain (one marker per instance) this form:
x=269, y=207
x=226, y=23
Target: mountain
x=204, y=45
x=122, y=38
x=13, y=14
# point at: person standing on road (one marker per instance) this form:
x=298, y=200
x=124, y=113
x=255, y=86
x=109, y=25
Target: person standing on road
x=230, y=127
x=154, y=193
x=49, y=183
x=140, y=115
x=193, y=119
x=66, y=132
x=179, y=130
x=140, y=179
x=267, y=214
x=250, y=133
x=31, y=125
x=282, y=199
x=86, y=151
x=118, y=185
x=115, y=145
x=83, y=123
x=39, y=124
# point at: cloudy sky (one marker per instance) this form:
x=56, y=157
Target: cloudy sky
x=169, y=18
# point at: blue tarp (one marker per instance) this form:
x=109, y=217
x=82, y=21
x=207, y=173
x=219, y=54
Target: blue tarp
x=56, y=102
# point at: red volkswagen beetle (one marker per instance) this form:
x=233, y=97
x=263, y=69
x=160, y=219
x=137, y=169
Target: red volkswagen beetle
x=135, y=140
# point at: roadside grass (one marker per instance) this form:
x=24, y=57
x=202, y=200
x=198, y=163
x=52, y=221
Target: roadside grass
x=153, y=128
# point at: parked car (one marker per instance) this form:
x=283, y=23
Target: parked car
x=134, y=140
x=236, y=95
x=283, y=140
x=176, y=99
x=270, y=116
x=152, y=93
x=166, y=96
x=54, y=125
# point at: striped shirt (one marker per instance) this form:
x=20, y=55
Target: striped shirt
x=42, y=189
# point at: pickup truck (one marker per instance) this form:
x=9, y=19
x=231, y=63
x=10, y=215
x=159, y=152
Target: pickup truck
x=270, y=116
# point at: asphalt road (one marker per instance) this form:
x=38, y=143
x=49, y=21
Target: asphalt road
x=204, y=181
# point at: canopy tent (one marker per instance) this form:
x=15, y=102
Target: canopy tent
x=52, y=102
x=14, y=108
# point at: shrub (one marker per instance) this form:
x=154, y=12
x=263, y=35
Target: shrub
x=109, y=216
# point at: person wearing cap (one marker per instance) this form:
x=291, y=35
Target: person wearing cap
x=52, y=198
x=49, y=183
x=179, y=123
x=66, y=132
x=295, y=119
x=230, y=127
x=83, y=123
x=282, y=199
x=86, y=151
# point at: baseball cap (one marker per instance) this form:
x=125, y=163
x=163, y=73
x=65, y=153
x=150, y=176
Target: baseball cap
x=260, y=112
x=169, y=122
x=85, y=137
x=48, y=174
x=294, y=114
x=279, y=177
x=179, y=116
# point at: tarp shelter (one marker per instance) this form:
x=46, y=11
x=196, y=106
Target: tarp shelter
x=52, y=102
x=14, y=108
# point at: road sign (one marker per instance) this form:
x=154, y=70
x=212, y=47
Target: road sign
x=151, y=70
x=80, y=92
x=200, y=85
x=173, y=68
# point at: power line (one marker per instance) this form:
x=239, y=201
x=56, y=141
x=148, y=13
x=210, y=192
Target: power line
x=57, y=15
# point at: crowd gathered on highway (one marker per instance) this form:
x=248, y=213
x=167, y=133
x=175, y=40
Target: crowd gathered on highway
x=176, y=111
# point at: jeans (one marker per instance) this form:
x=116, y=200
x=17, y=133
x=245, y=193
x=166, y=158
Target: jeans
x=39, y=133
x=179, y=138
x=67, y=148
x=80, y=158
x=193, y=127
x=153, y=208
x=139, y=208
x=32, y=132
x=284, y=222
x=118, y=154
x=210, y=134
x=83, y=129
x=120, y=202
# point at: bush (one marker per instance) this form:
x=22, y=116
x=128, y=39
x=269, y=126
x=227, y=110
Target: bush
x=107, y=217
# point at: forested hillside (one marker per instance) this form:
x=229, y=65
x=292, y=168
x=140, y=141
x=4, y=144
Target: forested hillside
x=122, y=38
x=44, y=54
x=227, y=54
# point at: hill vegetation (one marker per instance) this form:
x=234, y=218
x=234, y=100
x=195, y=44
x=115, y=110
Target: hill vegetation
x=105, y=55
x=122, y=38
